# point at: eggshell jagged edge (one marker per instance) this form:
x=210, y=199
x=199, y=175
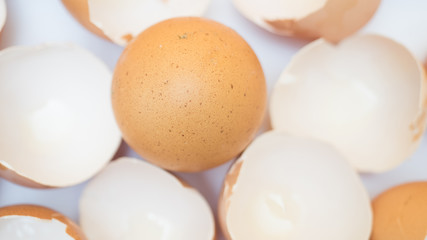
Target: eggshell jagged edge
x=316, y=23
x=91, y=17
x=80, y=11
x=231, y=181
x=44, y=213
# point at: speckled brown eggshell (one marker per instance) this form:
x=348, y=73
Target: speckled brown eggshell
x=188, y=94
x=401, y=213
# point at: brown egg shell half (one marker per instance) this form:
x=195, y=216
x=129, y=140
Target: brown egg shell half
x=121, y=21
x=400, y=213
x=43, y=213
x=367, y=96
x=189, y=94
x=285, y=187
x=47, y=133
x=329, y=19
x=143, y=201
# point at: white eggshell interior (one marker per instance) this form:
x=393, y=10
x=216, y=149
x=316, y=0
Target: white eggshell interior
x=299, y=189
x=259, y=11
x=410, y=30
x=132, y=199
x=56, y=122
x=365, y=96
x=32, y=228
x=123, y=19
x=2, y=13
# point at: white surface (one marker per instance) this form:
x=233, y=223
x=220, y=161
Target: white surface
x=37, y=21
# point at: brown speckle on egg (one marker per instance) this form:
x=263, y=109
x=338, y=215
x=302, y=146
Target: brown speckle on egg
x=205, y=101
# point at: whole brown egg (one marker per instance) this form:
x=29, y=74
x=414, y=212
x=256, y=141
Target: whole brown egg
x=188, y=94
x=400, y=213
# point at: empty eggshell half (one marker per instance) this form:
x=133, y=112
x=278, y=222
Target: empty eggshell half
x=56, y=122
x=122, y=20
x=409, y=28
x=132, y=199
x=366, y=96
x=36, y=223
x=330, y=19
x=2, y=14
x=284, y=187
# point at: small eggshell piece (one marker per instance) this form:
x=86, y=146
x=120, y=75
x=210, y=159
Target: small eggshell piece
x=366, y=96
x=284, y=187
x=330, y=19
x=132, y=199
x=57, y=126
x=36, y=223
x=400, y=213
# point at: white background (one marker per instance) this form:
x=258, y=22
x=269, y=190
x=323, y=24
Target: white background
x=38, y=21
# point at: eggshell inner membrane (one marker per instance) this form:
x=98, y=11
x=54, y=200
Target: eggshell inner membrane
x=122, y=20
x=57, y=126
x=292, y=188
x=280, y=9
x=2, y=13
x=26, y=227
x=330, y=19
x=409, y=31
x=366, y=96
x=131, y=199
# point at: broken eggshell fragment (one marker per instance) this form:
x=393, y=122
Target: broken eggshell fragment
x=142, y=201
x=329, y=19
x=366, y=96
x=122, y=20
x=36, y=223
x=285, y=187
x=56, y=122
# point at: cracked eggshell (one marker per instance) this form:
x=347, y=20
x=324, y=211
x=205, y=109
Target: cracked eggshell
x=285, y=187
x=400, y=213
x=36, y=223
x=195, y=100
x=409, y=28
x=132, y=199
x=57, y=126
x=366, y=96
x=329, y=19
x=122, y=20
